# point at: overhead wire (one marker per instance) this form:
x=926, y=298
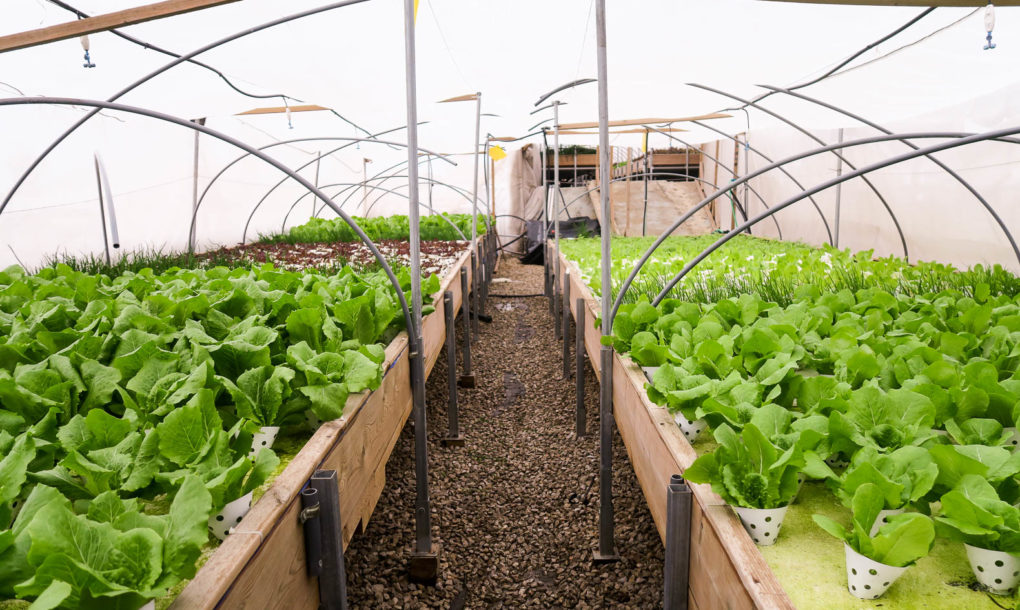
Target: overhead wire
x=149, y=46
x=446, y=44
x=846, y=61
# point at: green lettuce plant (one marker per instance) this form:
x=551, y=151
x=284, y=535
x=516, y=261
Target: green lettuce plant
x=973, y=513
x=748, y=470
x=900, y=542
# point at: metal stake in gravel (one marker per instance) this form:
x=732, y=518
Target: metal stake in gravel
x=581, y=413
x=676, y=576
x=424, y=563
x=474, y=295
x=453, y=437
x=467, y=380
x=566, y=325
x=607, y=548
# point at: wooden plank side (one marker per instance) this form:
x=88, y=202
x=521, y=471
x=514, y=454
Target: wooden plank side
x=358, y=446
x=728, y=571
x=100, y=23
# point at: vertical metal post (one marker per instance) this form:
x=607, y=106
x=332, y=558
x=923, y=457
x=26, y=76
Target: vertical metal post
x=607, y=547
x=102, y=211
x=467, y=380
x=644, y=214
x=580, y=412
x=194, y=185
x=474, y=296
x=475, y=259
x=424, y=564
x=676, y=577
x=566, y=325
x=453, y=437
x=333, y=578
x=557, y=200
x=839, y=191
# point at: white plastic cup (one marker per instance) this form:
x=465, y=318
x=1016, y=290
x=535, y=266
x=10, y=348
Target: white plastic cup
x=149, y=605
x=997, y=571
x=224, y=521
x=762, y=524
x=883, y=518
x=691, y=429
x=312, y=419
x=264, y=439
x=866, y=578
x=836, y=461
x=649, y=372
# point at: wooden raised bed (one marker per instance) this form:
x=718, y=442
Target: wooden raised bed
x=262, y=564
x=727, y=571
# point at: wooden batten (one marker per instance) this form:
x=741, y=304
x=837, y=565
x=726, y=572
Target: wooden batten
x=262, y=564
x=728, y=572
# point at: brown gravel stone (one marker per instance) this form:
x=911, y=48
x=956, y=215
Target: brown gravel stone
x=516, y=509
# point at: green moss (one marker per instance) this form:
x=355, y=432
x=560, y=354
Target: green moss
x=810, y=565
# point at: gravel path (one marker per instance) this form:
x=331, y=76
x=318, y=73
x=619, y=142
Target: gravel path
x=515, y=510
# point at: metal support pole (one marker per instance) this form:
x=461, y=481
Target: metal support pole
x=644, y=214
x=554, y=302
x=676, y=577
x=474, y=297
x=607, y=547
x=467, y=380
x=453, y=437
x=839, y=190
x=580, y=412
x=566, y=325
x=557, y=202
x=333, y=578
x=102, y=211
x=194, y=185
x=424, y=563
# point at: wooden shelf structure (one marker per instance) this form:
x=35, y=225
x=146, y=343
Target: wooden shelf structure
x=262, y=564
x=727, y=570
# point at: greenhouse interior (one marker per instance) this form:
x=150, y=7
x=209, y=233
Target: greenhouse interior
x=711, y=304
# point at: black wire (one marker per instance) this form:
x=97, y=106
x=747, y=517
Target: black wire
x=843, y=64
x=146, y=45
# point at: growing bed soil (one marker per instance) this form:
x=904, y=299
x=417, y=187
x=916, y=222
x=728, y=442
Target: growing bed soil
x=436, y=256
x=516, y=509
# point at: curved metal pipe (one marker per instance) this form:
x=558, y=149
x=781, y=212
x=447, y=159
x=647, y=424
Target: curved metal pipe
x=208, y=187
x=885, y=204
x=731, y=172
x=920, y=152
x=453, y=188
x=244, y=234
x=63, y=101
x=984, y=203
x=376, y=175
x=588, y=192
x=386, y=191
x=802, y=155
x=176, y=62
x=783, y=170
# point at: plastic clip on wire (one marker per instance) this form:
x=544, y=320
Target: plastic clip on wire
x=989, y=25
x=85, y=45
x=286, y=107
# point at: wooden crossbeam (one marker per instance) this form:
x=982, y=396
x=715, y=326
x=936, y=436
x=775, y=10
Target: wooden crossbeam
x=283, y=109
x=654, y=121
x=573, y=132
x=101, y=23
x=909, y=2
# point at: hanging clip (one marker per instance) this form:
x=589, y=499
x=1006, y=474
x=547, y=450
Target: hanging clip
x=290, y=125
x=85, y=45
x=989, y=25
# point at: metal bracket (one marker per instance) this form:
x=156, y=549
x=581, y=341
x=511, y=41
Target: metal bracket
x=307, y=514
